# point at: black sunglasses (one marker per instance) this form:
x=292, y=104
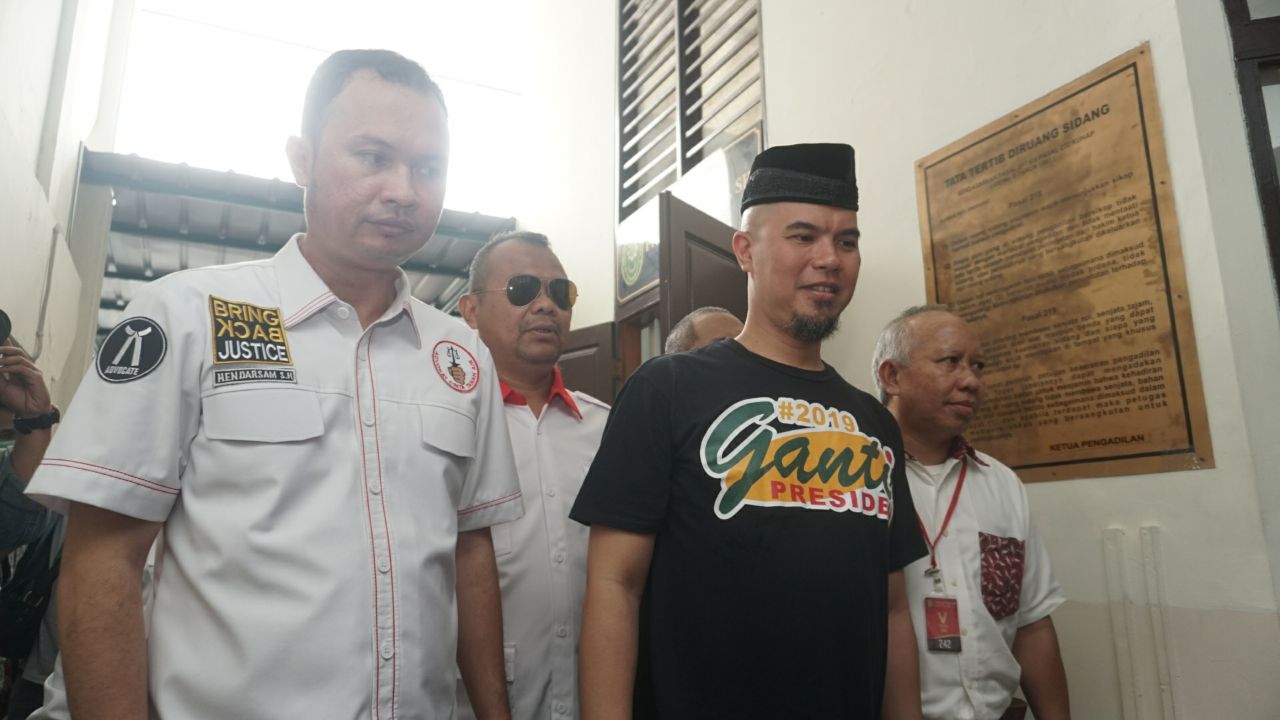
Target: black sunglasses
x=523, y=289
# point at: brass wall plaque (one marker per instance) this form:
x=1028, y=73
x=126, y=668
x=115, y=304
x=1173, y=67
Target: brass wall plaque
x=1052, y=231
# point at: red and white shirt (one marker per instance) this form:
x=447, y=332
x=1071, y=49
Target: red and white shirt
x=995, y=566
x=542, y=557
x=312, y=477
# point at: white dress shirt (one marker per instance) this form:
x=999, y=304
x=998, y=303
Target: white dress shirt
x=542, y=557
x=311, y=498
x=979, y=681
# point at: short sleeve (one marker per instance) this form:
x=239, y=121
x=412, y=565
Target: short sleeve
x=629, y=482
x=1041, y=594
x=123, y=444
x=491, y=488
x=906, y=545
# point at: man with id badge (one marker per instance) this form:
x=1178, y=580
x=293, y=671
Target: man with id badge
x=981, y=600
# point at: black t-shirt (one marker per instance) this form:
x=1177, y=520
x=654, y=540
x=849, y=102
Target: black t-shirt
x=780, y=505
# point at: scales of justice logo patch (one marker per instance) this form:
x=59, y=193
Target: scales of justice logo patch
x=455, y=365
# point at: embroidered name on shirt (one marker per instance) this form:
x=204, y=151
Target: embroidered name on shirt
x=823, y=464
x=244, y=333
x=251, y=375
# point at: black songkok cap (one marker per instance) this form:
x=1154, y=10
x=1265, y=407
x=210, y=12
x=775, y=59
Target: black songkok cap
x=818, y=173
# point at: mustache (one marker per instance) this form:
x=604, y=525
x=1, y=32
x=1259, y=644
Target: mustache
x=526, y=327
x=395, y=221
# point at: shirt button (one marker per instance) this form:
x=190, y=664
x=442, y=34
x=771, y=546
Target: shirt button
x=342, y=312
x=387, y=652
x=368, y=419
x=559, y=558
x=562, y=632
x=383, y=565
x=551, y=492
x=374, y=487
x=562, y=708
x=964, y=632
x=953, y=583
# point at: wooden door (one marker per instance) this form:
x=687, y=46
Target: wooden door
x=588, y=361
x=698, y=267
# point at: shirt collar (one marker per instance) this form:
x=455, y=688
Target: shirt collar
x=303, y=293
x=960, y=448
x=404, y=301
x=511, y=396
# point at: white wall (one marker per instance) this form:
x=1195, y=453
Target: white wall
x=568, y=122
x=28, y=38
x=28, y=34
x=54, y=60
x=899, y=80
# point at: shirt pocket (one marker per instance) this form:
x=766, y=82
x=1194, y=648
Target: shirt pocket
x=1003, y=560
x=448, y=430
x=449, y=438
x=266, y=415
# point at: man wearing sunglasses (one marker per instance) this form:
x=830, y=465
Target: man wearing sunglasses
x=750, y=517
x=323, y=452
x=521, y=303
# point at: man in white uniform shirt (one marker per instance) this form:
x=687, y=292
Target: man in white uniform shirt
x=320, y=454
x=981, y=601
x=521, y=303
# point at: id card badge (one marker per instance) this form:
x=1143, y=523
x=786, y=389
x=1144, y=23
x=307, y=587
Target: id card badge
x=942, y=624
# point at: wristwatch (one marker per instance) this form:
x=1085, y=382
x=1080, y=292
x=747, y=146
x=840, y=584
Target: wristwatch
x=40, y=422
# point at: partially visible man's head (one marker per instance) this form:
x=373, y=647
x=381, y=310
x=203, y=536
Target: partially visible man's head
x=520, y=301
x=799, y=238
x=701, y=328
x=928, y=366
x=336, y=71
x=372, y=159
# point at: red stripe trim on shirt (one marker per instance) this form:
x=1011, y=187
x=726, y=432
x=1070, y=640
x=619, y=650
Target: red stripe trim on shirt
x=109, y=472
x=373, y=552
x=491, y=503
x=309, y=308
x=386, y=528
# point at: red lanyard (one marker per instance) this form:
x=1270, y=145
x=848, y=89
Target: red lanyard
x=946, y=520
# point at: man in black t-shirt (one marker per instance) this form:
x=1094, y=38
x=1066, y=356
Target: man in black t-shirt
x=750, y=515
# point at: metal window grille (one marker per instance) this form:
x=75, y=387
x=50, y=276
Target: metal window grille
x=689, y=81
x=1255, y=38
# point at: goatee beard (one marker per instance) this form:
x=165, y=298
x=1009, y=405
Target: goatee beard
x=810, y=329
